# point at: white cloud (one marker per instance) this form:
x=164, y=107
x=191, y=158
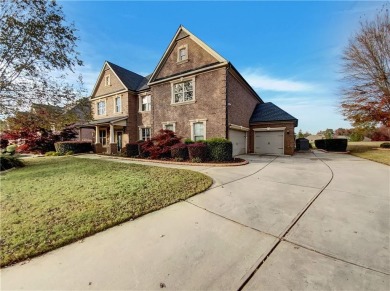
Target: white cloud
x=261, y=81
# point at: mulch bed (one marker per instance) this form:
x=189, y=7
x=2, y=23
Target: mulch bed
x=234, y=162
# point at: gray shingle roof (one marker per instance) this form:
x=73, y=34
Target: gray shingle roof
x=144, y=83
x=130, y=79
x=266, y=112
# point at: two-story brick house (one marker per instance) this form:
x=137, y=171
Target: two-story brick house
x=193, y=91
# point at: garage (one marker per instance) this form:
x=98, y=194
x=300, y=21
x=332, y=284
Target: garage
x=268, y=141
x=239, y=141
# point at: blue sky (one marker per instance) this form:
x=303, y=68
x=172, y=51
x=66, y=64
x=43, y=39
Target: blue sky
x=290, y=52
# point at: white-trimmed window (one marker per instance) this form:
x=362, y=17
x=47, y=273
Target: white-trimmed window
x=118, y=104
x=145, y=103
x=182, y=53
x=169, y=125
x=144, y=133
x=101, y=107
x=107, y=80
x=103, y=136
x=198, y=129
x=183, y=92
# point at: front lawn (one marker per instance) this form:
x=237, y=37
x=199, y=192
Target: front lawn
x=58, y=200
x=366, y=150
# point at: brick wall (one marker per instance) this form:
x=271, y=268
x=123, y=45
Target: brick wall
x=242, y=101
x=210, y=96
x=197, y=57
x=115, y=86
x=289, y=140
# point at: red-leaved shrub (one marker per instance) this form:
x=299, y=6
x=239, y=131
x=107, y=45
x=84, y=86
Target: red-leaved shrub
x=197, y=151
x=179, y=151
x=160, y=145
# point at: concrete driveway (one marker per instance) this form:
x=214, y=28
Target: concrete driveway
x=313, y=221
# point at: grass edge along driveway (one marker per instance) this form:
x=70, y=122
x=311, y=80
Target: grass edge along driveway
x=58, y=200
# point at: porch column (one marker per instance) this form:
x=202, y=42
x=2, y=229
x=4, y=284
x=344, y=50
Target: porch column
x=97, y=134
x=112, y=133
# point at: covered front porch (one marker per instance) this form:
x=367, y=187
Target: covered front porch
x=110, y=135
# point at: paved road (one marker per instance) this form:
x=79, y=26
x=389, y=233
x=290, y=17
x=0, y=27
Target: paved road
x=312, y=221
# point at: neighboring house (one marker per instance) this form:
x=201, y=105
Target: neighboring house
x=193, y=91
x=66, y=116
x=312, y=137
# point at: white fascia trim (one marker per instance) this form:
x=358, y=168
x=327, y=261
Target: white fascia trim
x=109, y=94
x=188, y=74
x=238, y=127
x=270, y=129
x=100, y=76
x=197, y=40
x=205, y=46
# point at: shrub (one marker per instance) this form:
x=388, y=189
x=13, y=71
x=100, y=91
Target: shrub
x=219, y=149
x=188, y=141
x=3, y=142
x=179, y=151
x=332, y=145
x=160, y=145
x=8, y=162
x=69, y=153
x=196, y=160
x=11, y=149
x=132, y=149
x=76, y=146
x=197, y=150
x=385, y=145
x=51, y=153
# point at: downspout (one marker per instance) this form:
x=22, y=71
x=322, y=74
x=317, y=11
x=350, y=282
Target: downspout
x=227, y=103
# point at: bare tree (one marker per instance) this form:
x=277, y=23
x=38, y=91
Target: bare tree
x=35, y=44
x=366, y=60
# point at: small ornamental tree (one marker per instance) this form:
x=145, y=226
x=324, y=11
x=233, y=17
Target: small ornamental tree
x=160, y=145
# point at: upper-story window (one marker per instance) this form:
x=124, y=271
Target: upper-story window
x=182, y=53
x=183, y=92
x=118, y=104
x=101, y=108
x=107, y=80
x=145, y=103
x=144, y=133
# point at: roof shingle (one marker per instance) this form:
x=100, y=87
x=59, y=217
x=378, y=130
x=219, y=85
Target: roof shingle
x=130, y=79
x=267, y=112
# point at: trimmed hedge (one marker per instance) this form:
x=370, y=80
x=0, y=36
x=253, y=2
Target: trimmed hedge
x=75, y=146
x=219, y=149
x=132, y=149
x=332, y=145
x=197, y=151
x=179, y=151
x=385, y=145
x=8, y=162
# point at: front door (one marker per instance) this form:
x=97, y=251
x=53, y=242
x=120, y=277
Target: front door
x=119, y=140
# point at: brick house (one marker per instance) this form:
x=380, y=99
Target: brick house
x=193, y=91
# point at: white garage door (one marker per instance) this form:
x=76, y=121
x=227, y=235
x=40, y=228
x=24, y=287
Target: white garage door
x=238, y=139
x=269, y=142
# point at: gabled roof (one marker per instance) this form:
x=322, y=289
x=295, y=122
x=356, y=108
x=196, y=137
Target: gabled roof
x=267, y=112
x=129, y=79
x=183, y=31
x=144, y=83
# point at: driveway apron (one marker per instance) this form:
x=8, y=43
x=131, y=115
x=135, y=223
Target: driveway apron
x=310, y=221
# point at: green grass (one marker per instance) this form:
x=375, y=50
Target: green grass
x=366, y=150
x=54, y=201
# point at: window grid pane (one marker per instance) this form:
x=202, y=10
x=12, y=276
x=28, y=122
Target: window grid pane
x=198, y=131
x=183, y=92
x=117, y=104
